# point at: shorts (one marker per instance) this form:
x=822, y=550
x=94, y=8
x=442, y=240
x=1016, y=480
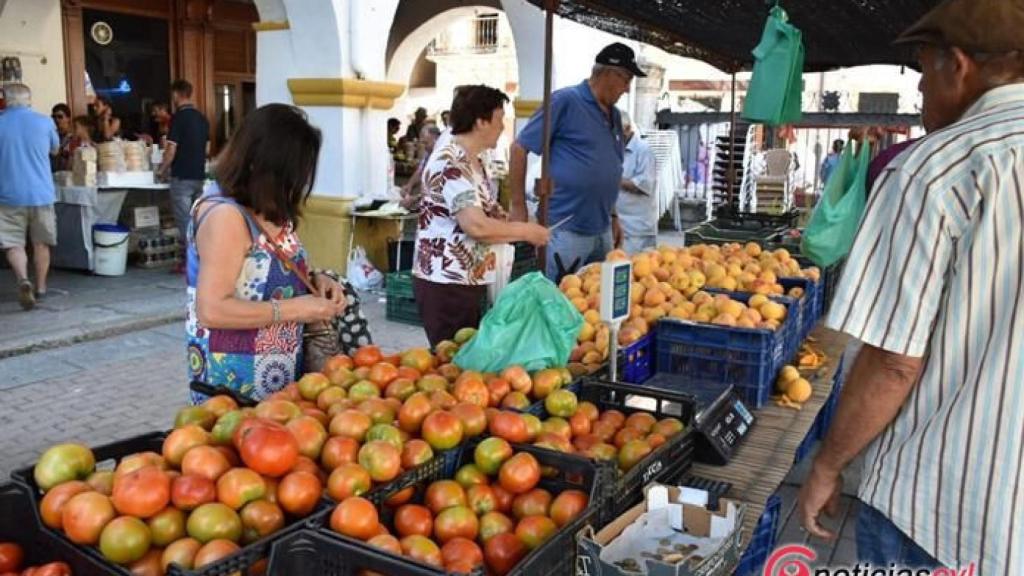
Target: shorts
x=38, y=222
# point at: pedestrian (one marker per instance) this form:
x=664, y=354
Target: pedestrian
x=160, y=122
x=586, y=162
x=184, y=157
x=411, y=191
x=934, y=288
x=27, y=141
x=81, y=135
x=108, y=126
x=638, y=202
x=831, y=161
x=61, y=116
x=460, y=217
x=247, y=303
x=418, y=120
x=394, y=125
x=445, y=119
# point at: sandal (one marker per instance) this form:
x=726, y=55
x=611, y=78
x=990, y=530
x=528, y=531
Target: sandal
x=25, y=295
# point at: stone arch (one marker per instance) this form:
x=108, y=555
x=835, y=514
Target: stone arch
x=403, y=59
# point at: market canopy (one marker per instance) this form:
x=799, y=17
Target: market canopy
x=837, y=33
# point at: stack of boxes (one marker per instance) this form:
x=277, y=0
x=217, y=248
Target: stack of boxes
x=154, y=245
x=83, y=166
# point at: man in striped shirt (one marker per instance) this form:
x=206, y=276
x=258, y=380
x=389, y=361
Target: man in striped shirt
x=934, y=288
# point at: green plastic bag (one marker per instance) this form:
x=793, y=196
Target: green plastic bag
x=777, y=85
x=834, y=223
x=532, y=325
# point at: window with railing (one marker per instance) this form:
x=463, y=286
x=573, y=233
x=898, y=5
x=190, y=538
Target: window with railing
x=479, y=35
x=486, y=32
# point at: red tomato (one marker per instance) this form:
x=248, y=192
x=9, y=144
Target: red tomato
x=11, y=556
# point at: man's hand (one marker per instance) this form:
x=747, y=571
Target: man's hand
x=616, y=232
x=820, y=493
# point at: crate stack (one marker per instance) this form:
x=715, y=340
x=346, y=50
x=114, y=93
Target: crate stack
x=154, y=244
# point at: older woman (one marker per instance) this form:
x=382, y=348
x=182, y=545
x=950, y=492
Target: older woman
x=247, y=298
x=460, y=217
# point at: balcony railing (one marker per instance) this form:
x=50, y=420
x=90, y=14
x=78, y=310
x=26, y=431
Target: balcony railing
x=483, y=38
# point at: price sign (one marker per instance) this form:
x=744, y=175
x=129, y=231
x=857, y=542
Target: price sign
x=616, y=287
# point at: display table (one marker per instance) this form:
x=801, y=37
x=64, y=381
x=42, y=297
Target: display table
x=764, y=459
x=77, y=209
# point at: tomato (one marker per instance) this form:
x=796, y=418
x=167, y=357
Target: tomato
x=422, y=549
x=588, y=409
x=410, y=373
x=456, y=522
x=278, y=410
x=220, y=405
x=518, y=378
x=386, y=433
x=304, y=464
x=386, y=542
x=182, y=553
x=310, y=435
x=125, y=540
x=615, y=417
x=655, y=440
x=503, y=551
x=259, y=519
x=268, y=449
x=481, y=499
x=224, y=430
x=356, y=518
x=330, y=396
x=214, y=521
x=363, y=390
x=503, y=498
x=490, y=454
x=626, y=435
x=604, y=430
x=642, y=421
x=533, y=503
x=380, y=410
x=148, y=565
x=312, y=384
x=367, y=356
x=472, y=390
x=519, y=473
x=190, y=492
x=214, y=551
x=558, y=426
x=206, y=461
x=469, y=475
x=418, y=358
x=535, y=530
x=52, y=505
x=555, y=442
x=338, y=450
x=348, y=479
x=413, y=411
x=431, y=383
x=545, y=382
x=298, y=493
x=62, y=463
x=603, y=451
x=352, y=424
x=515, y=400
x=461, y=555
x=102, y=481
x=416, y=453
x=381, y=459
x=533, y=426
x=401, y=497
x=494, y=523
x=84, y=516
x=195, y=415
x=183, y=439
x=414, y=519
x=442, y=430
x=442, y=400
x=668, y=427
x=561, y=403
x=167, y=526
x=584, y=442
x=11, y=557
x=567, y=506
x=239, y=486
x=579, y=424
x=444, y=494
x=449, y=371
x=382, y=374
x=632, y=452
x=473, y=418
x=400, y=388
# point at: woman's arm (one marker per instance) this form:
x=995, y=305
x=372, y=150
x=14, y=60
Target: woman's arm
x=223, y=242
x=488, y=230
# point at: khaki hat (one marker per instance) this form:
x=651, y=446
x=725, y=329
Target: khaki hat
x=985, y=26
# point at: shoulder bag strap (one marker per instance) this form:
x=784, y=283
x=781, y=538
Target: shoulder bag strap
x=287, y=262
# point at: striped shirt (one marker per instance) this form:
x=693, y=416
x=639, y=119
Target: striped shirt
x=937, y=271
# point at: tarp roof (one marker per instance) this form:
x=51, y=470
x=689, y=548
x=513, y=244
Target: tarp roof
x=837, y=33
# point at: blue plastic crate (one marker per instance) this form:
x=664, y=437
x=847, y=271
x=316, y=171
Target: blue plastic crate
x=790, y=329
x=809, y=303
x=764, y=539
x=636, y=361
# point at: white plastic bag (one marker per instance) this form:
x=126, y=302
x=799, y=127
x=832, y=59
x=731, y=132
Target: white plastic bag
x=504, y=258
x=361, y=273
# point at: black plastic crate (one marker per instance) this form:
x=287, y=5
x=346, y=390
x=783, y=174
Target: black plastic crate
x=557, y=556
x=107, y=456
x=19, y=524
x=666, y=464
x=242, y=400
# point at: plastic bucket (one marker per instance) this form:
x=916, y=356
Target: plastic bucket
x=110, y=249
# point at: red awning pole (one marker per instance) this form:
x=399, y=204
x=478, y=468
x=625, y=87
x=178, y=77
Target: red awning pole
x=543, y=186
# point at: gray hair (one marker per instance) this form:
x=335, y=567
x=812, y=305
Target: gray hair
x=995, y=69
x=17, y=95
x=601, y=69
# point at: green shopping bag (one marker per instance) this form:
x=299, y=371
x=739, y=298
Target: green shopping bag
x=829, y=234
x=532, y=325
x=776, y=86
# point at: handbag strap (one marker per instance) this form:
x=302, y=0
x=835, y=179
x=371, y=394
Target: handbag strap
x=278, y=252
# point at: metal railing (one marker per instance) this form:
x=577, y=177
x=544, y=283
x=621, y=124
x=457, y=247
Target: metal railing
x=484, y=37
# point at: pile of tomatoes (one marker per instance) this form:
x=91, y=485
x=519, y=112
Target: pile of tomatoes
x=492, y=513
x=12, y=557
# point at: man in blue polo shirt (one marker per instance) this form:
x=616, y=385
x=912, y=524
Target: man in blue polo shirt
x=587, y=147
x=185, y=156
x=27, y=141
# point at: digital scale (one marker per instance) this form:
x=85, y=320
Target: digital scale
x=616, y=288
x=722, y=418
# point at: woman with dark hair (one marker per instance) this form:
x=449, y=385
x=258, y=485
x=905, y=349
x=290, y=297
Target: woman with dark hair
x=247, y=299
x=460, y=218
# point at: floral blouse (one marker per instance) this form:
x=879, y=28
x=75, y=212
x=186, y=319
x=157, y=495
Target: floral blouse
x=444, y=253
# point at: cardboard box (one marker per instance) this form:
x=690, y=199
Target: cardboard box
x=125, y=179
x=671, y=533
x=144, y=217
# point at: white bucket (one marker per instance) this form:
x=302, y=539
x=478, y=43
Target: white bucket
x=110, y=249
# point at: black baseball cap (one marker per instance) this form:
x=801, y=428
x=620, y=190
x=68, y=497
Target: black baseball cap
x=618, y=54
